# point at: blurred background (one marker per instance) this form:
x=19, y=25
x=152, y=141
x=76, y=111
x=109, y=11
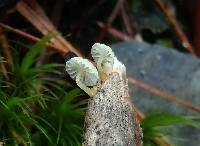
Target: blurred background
x=157, y=40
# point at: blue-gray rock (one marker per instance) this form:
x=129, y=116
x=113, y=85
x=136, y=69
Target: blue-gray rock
x=170, y=71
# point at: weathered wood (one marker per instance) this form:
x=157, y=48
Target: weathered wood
x=110, y=119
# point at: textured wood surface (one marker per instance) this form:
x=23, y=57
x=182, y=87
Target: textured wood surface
x=110, y=119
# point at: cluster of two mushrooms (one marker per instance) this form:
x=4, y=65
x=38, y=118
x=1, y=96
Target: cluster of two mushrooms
x=87, y=75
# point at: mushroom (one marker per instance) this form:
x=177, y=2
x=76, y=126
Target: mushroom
x=104, y=59
x=84, y=73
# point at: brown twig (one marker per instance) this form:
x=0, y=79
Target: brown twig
x=160, y=141
x=163, y=94
x=6, y=49
x=6, y=65
x=179, y=32
x=115, y=32
x=115, y=12
x=127, y=19
x=55, y=18
x=111, y=18
x=140, y=114
x=121, y=5
x=34, y=13
x=28, y=36
x=4, y=70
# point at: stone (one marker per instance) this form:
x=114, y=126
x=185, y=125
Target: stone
x=168, y=70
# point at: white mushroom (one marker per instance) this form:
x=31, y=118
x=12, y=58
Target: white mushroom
x=102, y=51
x=104, y=58
x=84, y=73
x=106, y=61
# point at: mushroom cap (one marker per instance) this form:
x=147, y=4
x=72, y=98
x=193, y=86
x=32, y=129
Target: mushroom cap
x=104, y=52
x=86, y=70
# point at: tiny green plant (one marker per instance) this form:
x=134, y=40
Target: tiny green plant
x=156, y=128
x=36, y=106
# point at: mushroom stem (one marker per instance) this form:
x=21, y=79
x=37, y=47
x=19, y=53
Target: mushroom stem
x=100, y=69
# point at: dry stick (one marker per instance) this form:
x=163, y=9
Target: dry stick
x=127, y=20
x=54, y=17
x=35, y=6
x=179, y=32
x=39, y=21
x=114, y=32
x=115, y=12
x=6, y=65
x=6, y=50
x=4, y=70
x=140, y=114
x=29, y=37
x=111, y=18
x=38, y=18
x=35, y=13
x=163, y=94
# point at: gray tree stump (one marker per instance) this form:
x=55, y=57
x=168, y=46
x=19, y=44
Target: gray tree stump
x=110, y=119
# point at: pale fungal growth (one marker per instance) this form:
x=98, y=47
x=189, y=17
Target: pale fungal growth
x=84, y=73
x=106, y=61
x=119, y=68
x=102, y=51
x=110, y=118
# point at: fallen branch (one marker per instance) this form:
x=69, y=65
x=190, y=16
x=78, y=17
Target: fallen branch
x=163, y=94
x=127, y=19
x=179, y=32
x=114, y=32
x=29, y=37
x=34, y=13
x=110, y=20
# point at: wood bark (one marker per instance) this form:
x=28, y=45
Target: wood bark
x=110, y=118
